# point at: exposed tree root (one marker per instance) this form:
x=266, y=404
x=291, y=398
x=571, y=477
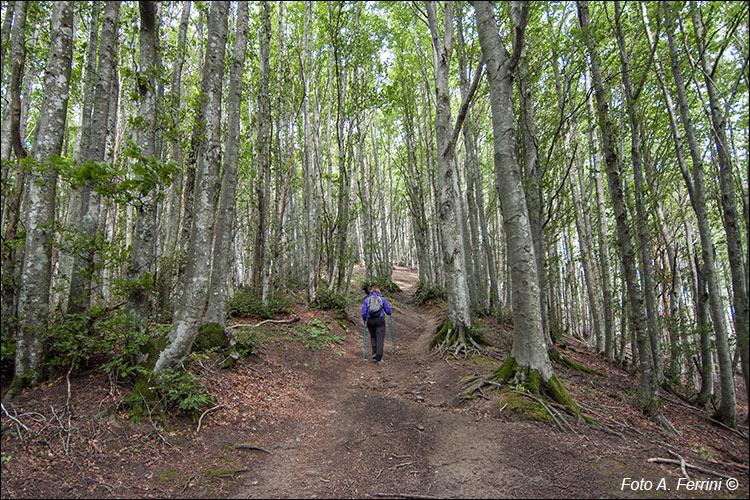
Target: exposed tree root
x=532, y=385
x=455, y=341
x=565, y=361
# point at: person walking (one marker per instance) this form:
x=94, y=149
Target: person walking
x=374, y=309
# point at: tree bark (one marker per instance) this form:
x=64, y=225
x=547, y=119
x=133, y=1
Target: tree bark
x=459, y=308
x=529, y=347
x=649, y=393
x=36, y=272
x=197, y=274
x=731, y=219
x=167, y=268
x=727, y=408
x=642, y=223
x=220, y=276
x=143, y=254
x=83, y=266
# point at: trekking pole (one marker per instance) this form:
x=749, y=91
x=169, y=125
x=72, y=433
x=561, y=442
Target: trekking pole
x=364, y=334
x=393, y=338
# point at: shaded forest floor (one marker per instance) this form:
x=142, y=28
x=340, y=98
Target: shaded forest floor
x=310, y=420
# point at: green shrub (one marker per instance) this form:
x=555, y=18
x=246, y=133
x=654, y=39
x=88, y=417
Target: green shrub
x=330, y=301
x=247, y=343
x=245, y=302
x=315, y=335
x=100, y=335
x=426, y=293
x=182, y=389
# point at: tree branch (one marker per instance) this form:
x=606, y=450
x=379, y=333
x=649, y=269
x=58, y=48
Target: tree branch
x=465, y=104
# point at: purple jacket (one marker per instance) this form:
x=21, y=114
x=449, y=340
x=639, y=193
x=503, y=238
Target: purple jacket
x=386, y=308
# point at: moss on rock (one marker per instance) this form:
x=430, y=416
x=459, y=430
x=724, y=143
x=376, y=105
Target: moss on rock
x=209, y=336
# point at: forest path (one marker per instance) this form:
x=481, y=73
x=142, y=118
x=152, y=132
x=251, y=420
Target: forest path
x=397, y=429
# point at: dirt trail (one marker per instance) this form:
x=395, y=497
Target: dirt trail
x=397, y=429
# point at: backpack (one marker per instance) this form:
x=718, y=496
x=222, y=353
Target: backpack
x=374, y=306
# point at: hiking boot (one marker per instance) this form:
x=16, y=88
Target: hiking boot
x=379, y=362
x=374, y=356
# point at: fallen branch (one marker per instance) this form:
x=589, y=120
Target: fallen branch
x=677, y=462
x=231, y=474
x=108, y=486
x=682, y=463
x=722, y=424
x=204, y=414
x=67, y=409
x=239, y=325
x=246, y=446
x=187, y=483
x=18, y=423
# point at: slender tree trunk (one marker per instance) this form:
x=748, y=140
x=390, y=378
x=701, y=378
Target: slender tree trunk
x=602, y=236
x=308, y=165
x=5, y=36
x=218, y=291
x=264, y=161
x=591, y=276
x=643, y=231
x=17, y=63
x=83, y=266
x=531, y=169
x=11, y=122
x=727, y=409
x=649, y=393
x=458, y=323
x=385, y=267
x=483, y=268
x=190, y=310
x=166, y=270
x=143, y=255
x=36, y=272
x=731, y=219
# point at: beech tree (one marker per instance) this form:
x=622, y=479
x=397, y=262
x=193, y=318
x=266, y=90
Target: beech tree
x=36, y=272
x=528, y=363
x=190, y=310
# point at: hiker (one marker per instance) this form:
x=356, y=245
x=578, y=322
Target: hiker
x=374, y=310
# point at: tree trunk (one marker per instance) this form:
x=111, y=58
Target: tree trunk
x=602, y=236
x=731, y=219
x=385, y=267
x=83, y=266
x=190, y=310
x=222, y=255
x=143, y=254
x=459, y=308
x=167, y=269
x=12, y=209
x=36, y=272
x=309, y=229
x=642, y=223
x=649, y=393
x=529, y=347
x=727, y=408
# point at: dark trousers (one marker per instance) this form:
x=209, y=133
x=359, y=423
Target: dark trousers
x=376, y=326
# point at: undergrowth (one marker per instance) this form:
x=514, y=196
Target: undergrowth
x=315, y=335
x=245, y=302
x=427, y=294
